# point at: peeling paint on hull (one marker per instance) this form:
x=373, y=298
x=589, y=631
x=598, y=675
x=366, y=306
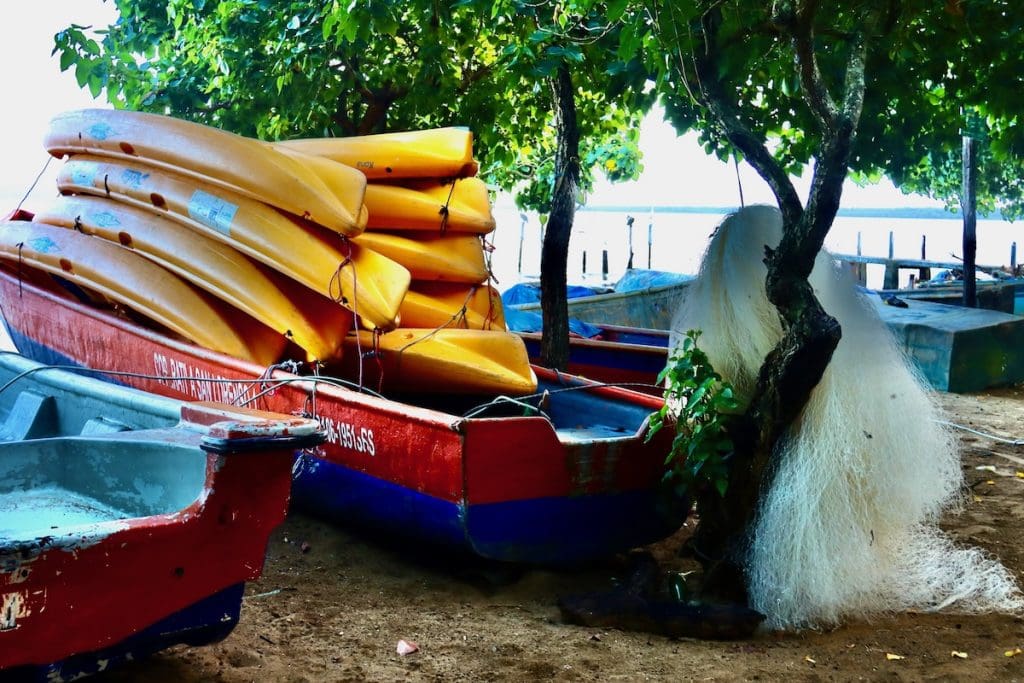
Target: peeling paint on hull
x=119, y=544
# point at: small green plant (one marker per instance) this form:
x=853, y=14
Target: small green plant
x=698, y=400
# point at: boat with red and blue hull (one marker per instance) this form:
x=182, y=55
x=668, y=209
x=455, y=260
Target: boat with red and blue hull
x=562, y=477
x=630, y=357
x=130, y=522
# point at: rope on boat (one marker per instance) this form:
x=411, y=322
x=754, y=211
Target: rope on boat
x=444, y=209
x=499, y=400
x=523, y=401
x=34, y=183
x=340, y=299
x=993, y=437
x=268, y=385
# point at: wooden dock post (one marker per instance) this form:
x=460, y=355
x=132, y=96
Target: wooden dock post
x=650, y=237
x=891, y=279
x=924, y=274
x=1013, y=258
x=860, y=269
x=522, y=233
x=969, y=205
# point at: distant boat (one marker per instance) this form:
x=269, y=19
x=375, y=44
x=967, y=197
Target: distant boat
x=994, y=295
x=640, y=298
x=630, y=357
x=956, y=349
x=128, y=522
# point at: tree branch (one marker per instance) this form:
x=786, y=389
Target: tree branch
x=812, y=84
x=713, y=96
x=831, y=168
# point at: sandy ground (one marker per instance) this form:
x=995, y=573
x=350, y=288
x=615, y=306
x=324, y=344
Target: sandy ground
x=336, y=610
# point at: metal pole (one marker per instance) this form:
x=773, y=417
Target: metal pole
x=968, y=201
x=1013, y=258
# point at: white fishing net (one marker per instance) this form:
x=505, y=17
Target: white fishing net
x=849, y=525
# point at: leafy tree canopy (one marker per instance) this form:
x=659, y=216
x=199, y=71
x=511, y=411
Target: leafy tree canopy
x=935, y=69
x=277, y=69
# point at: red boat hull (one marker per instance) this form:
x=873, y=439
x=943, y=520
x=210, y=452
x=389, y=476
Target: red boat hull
x=86, y=594
x=505, y=488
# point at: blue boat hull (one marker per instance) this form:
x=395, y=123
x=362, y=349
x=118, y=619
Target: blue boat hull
x=517, y=531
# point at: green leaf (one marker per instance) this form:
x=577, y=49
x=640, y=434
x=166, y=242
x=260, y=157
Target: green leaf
x=67, y=58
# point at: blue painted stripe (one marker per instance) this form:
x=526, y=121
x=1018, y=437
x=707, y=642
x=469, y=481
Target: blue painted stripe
x=560, y=530
x=207, y=621
x=344, y=495
x=572, y=529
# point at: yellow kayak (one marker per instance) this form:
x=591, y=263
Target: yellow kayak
x=452, y=305
x=455, y=257
x=447, y=361
x=460, y=206
x=134, y=281
x=243, y=165
x=432, y=153
x=315, y=323
x=366, y=282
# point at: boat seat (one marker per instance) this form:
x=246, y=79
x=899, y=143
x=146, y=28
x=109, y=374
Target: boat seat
x=32, y=416
x=103, y=425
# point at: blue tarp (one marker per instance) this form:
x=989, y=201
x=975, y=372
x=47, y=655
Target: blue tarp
x=524, y=293
x=636, y=279
x=528, y=321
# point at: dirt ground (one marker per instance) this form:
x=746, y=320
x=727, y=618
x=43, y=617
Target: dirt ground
x=333, y=605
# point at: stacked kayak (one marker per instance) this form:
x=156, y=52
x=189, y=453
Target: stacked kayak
x=365, y=255
x=428, y=212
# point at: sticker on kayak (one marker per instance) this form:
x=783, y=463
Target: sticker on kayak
x=100, y=131
x=133, y=179
x=43, y=245
x=105, y=219
x=212, y=211
x=83, y=172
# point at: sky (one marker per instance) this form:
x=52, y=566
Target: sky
x=676, y=171
x=37, y=90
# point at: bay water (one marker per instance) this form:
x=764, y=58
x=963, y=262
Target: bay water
x=674, y=240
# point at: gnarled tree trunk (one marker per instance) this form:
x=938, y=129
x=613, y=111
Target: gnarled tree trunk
x=810, y=335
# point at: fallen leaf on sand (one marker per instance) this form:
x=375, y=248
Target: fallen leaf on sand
x=1013, y=653
x=890, y=656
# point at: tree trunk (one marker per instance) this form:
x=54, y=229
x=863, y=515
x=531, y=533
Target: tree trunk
x=810, y=335
x=555, y=251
